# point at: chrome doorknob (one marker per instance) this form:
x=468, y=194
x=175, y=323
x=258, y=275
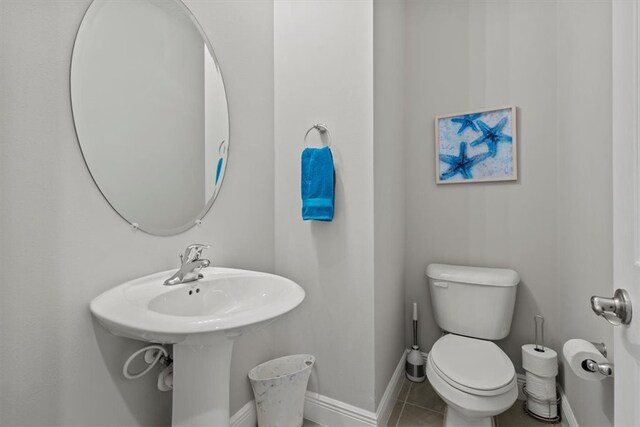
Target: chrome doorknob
x=616, y=310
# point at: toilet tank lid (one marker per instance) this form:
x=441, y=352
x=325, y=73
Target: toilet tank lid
x=473, y=275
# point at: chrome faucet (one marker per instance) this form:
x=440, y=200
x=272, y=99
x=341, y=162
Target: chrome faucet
x=191, y=266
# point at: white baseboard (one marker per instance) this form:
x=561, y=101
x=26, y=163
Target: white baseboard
x=568, y=418
x=317, y=408
x=245, y=417
x=331, y=412
x=391, y=393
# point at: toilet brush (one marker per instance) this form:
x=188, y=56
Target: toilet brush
x=415, y=362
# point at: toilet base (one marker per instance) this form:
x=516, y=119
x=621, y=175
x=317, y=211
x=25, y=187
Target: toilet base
x=453, y=418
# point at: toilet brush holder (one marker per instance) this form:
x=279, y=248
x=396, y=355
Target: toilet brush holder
x=415, y=365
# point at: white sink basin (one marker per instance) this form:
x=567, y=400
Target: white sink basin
x=201, y=319
x=224, y=300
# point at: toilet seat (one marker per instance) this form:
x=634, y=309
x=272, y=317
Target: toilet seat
x=471, y=365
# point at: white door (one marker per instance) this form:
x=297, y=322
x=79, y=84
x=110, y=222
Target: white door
x=626, y=208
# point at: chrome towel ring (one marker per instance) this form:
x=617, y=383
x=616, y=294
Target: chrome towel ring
x=322, y=129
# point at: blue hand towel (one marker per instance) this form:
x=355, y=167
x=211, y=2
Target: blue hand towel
x=317, y=184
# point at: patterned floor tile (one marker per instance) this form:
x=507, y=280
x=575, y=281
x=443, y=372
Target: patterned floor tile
x=515, y=417
x=423, y=395
x=415, y=416
x=395, y=414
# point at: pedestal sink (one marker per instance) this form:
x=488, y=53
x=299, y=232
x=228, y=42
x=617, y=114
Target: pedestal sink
x=201, y=319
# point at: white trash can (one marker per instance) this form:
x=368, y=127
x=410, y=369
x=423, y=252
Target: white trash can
x=279, y=386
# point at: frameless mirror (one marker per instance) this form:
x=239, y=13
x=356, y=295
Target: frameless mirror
x=150, y=111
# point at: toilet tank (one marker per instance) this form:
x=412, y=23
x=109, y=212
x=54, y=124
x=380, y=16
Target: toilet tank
x=473, y=301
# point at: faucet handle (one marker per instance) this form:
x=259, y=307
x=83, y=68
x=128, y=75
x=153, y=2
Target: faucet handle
x=193, y=252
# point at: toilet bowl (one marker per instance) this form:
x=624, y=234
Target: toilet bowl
x=474, y=377
x=474, y=306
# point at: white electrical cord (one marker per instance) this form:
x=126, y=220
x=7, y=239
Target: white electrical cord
x=161, y=352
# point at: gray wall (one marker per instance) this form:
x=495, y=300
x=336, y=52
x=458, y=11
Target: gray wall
x=388, y=183
x=324, y=73
x=350, y=78
x=584, y=193
x=552, y=59
x=61, y=244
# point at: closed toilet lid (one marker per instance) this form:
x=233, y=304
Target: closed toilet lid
x=472, y=365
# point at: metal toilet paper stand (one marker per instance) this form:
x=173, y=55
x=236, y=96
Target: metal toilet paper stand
x=549, y=403
x=539, y=346
x=601, y=347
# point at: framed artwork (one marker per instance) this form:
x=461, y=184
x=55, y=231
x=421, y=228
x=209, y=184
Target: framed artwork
x=477, y=146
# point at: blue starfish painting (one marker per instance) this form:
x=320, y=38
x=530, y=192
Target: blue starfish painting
x=461, y=164
x=492, y=136
x=476, y=146
x=466, y=121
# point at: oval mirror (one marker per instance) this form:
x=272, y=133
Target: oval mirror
x=150, y=111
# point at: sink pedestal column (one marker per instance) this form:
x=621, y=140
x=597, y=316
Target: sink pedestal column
x=201, y=383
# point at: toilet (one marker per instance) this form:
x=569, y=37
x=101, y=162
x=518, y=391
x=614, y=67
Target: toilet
x=474, y=307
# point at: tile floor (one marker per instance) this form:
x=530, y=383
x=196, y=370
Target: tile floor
x=418, y=405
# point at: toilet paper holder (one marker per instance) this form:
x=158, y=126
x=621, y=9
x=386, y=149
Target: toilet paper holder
x=601, y=347
x=605, y=369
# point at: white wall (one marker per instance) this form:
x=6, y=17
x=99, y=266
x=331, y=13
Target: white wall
x=584, y=192
x=61, y=244
x=553, y=226
x=388, y=169
x=324, y=73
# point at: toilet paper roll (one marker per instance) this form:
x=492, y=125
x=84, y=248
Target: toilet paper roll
x=576, y=351
x=543, y=388
x=542, y=363
x=542, y=391
x=544, y=410
x=541, y=368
